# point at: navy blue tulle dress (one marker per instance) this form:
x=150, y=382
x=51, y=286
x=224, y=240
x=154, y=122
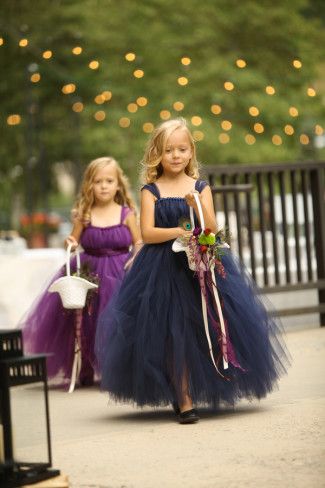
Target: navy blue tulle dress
x=152, y=335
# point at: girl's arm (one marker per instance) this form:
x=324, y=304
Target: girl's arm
x=131, y=222
x=150, y=233
x=74, y=237
x=207, y=207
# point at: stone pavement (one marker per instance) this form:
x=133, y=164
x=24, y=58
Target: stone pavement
x=278, y=442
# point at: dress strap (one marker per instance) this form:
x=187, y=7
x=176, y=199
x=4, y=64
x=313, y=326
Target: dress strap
x=153, y=189
x=124, y=213
x=200, y=185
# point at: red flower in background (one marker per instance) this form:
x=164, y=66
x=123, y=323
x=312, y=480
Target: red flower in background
x=39, y=222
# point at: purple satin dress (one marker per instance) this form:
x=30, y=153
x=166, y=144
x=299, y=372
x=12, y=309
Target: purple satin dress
x=49, y=328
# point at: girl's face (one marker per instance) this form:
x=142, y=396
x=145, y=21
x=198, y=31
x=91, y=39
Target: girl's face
x=105, y=184
x=177, y=153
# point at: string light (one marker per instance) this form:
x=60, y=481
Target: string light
x=289, y=130
x=23, y=42
x=182, y=80
x=35, y=78
x=229, y=86
x=77, y=50
x=198, y=135
x=132, y=108
x=178, y=106
x=277, y=140
x=253, y=111
x=148, y=127
x=142, y=101
x=186, y=61
x=297, y=64
x=226, y=125
x=138, y=73
x=165, y=114
x=311, y=92
x=293, y=111
x=250, y=139
x=196, y=120
x=100, y=115
x=124, y=122
x=93, y=64
x=130, y=57
x=69, y=88
x=241, y=63
x=216, y=109
x=47, y=54
x=77, y=107
x=107, y=95
x=99, y=99
x=270, y=90
x=304, y=139
x=224, y=138
x=13, y=119
x=258, y=128
x=319, y=131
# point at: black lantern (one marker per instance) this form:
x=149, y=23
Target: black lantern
x=24, y=415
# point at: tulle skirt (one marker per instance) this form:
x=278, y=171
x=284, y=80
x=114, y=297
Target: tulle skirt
x=151, y=341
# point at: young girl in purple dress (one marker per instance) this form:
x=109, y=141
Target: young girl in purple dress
x=156, y=349
x=105, y=226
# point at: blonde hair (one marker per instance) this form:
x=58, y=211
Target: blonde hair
x=151, y=163
x=85, y=199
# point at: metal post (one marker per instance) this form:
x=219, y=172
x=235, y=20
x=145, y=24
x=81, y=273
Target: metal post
x=318, y=194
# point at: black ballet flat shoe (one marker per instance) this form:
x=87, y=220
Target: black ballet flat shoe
x=189, y=417
x=176, y=408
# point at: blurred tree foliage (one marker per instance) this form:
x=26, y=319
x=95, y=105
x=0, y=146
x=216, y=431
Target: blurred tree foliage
x=267, y=34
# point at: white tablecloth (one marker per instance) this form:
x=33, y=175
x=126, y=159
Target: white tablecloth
x=23, y=276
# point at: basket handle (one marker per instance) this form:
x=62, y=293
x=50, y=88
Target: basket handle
x=68, y=260
x=199, y=207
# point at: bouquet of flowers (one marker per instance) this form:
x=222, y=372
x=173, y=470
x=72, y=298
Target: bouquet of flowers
x=205, y=249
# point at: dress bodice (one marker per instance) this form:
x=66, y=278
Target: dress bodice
x=113, y=237
x=169, y=210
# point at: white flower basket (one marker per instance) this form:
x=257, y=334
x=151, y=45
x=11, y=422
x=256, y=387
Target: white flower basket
x=72, y=289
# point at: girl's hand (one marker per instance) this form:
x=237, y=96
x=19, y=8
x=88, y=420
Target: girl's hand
x=186, y=234
x=71, y=240
x=190, y=200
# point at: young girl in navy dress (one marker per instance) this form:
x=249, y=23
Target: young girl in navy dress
x=155, y=349
x=105, y=226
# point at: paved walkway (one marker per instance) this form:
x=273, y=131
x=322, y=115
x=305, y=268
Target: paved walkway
x=277, y=443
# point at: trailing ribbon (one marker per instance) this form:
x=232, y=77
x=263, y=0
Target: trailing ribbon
x=76, y=366
x=203, y=263
x=203, y=268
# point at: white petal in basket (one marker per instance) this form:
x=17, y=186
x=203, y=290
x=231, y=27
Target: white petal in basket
x=72, y=289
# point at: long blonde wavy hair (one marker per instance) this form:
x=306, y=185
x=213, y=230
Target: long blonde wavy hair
x=85, y=199
x=151, y=164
